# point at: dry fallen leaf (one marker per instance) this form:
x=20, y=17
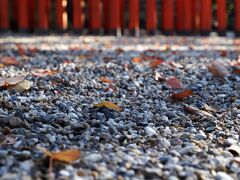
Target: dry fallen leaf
x=21, y=51
x=193, y=110
x=174, y=83
x=177, y=65
x=218, y=70
x=21, y=86
x=109, y=105
x=7, y=61
x=156, y=63
x=182, y=95
x=5, y=82
x=67, y=156
x=106, y=80
x=136, y=60
x=234, y=149
x=159, y=77
x=43, y=72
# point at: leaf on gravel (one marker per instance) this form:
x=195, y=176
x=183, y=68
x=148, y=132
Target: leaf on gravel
x=236, y=71
x=21, y=51
x=8, y=61
x=5, y=82
x=21, y=86
x=156, y=63
x=136, y=60
x=43, y=72
x=67, y=156
x=110, y=105
x=177, y=65
x=174, y=83
x=106, y=80
x=182, y=95
x=218, y=70
x=193, y=110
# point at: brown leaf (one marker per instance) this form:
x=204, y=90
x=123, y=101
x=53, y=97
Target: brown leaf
x=159, y=77
x=5, y=82
x=21, y=86
x=182, y=95
x=177, y=65
x=67, y=156
x=7, y=61
x=110, y=105
x=236, y=71
x=174, y=83
x=194, y=110
x=218, y=70
x=156, y=63
x=21, y=51
x=43, y=72
x=136, y=60
x=106, y=80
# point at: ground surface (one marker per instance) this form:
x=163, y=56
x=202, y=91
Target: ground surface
x=152, y=137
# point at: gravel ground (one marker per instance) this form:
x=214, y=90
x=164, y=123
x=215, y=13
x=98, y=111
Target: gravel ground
x=153, y=137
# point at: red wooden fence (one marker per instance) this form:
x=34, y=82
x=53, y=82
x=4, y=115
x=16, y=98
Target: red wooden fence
x=115, y=16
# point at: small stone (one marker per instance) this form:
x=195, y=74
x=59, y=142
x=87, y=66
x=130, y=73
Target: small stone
x=150, y=131
x=72, y=116
x=201, y=135
x=223, y=176
x=230, y=141
x=92, y=158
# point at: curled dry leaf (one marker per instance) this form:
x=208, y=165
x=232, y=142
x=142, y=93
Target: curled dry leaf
x=174, y=83
x=8, y=61
x=67, y=156
x=156, y=63
x=184, y=94
x=193, y=110
x=234, y=149
x=43, y=72
x=106, y=80
x=177, y=65
x=5, y=82
x=21, y=86
x=21, y=51
x=218, y=70
x=159, y=77
x=136, y=60
x=109, y=105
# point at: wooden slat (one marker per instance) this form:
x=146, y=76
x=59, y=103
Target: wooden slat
x=4, y=15
x=94, y=16
x=168, y=16
x=114, y=17
x=23, y=23
x=151, y=21
x=205, y=16
x=221, y=16
x=43, y=17
x=134, y=17
x=237, y=17
x=77, y=15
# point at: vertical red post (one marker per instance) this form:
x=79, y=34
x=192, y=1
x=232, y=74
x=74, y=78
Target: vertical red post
x=94, y=16
x=222, y=16
x=122, y=14
x=43, y=16
x=237, y=17
x=23, y=24
x=184, y=16
x=151, y=11
x=105, y=15
x=134, y=17
x=195, y=15
x=4, y=20
x=114, y=19
x=168, y=16
x=31, y=14
x=77, y=15
x=205, y=16
x=180, y=16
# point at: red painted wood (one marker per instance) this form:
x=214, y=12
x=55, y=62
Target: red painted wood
x=94, y=14
x=133, y=15
x=179, y=15
x=195, y=15
x=237, y=16
x=4, y=20
x=77, y=15
x=168, y=16
x=43, y=15
x=59, y=15
x=105, y=14
x=151, y=11
x=114, y=15
x=31, y=14
x=205, y=16
x=122, y=14
x=188, y=16
x=222, y=15
x=23, y=23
